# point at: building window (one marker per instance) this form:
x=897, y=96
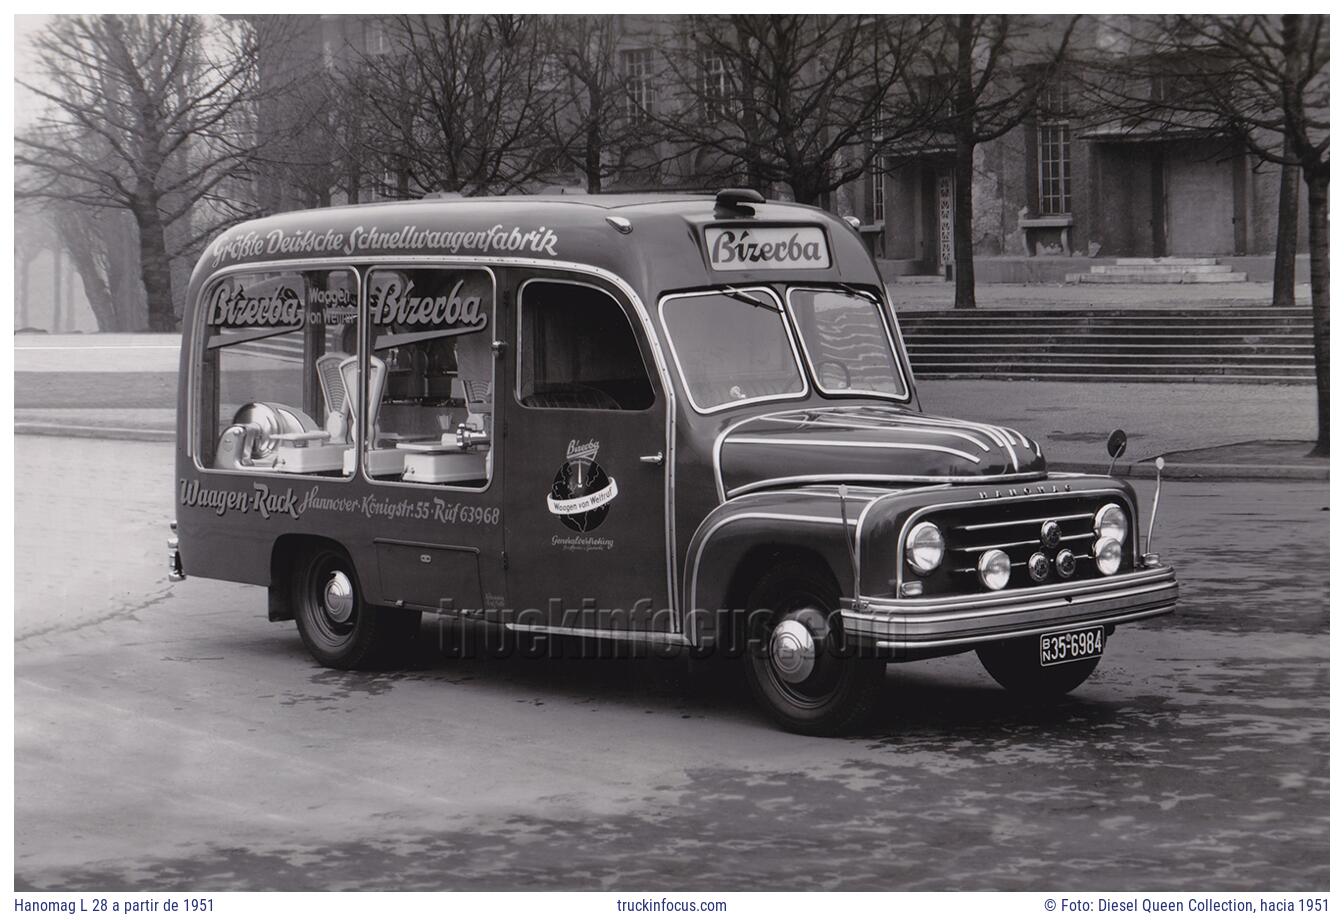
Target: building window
x=714, y=85
x=637, y=69
x=1053, y=151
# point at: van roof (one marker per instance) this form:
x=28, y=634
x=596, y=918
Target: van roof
x=661, y=248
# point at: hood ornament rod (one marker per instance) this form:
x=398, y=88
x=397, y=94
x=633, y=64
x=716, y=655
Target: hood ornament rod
x=1160, y=463
x=849, y=545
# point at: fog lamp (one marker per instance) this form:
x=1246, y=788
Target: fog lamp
x=1065, y=563
x=1110, y=524
x=994, y=569
x=924, y=547
x=1106, y=552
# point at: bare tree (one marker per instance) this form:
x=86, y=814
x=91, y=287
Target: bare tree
x=989, y=73
x=589, y=127
x=455, y=104
x=1285, y=237
x=795, y=100
x=100, y=242
x=143, y=115
x=1264, y=81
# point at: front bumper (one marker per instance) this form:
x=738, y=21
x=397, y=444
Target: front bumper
x=939, y=625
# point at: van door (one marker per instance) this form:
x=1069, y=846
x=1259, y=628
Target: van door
x=586, y=528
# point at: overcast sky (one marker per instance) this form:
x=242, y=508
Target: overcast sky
x=25, y=27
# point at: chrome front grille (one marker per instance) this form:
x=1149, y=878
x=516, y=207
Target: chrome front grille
x=1016, y=528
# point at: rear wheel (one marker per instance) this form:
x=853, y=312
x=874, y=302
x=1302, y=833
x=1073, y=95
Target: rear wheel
x=338, y=628
x=796, y=663
x=1016, y=665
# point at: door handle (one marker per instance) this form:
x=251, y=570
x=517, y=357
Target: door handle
x=655, y=459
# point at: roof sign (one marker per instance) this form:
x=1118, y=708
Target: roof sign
x=738, y=249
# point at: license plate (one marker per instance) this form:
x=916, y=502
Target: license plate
x=1074, y=645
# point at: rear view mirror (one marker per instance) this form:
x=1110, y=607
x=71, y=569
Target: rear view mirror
x=1116, y=443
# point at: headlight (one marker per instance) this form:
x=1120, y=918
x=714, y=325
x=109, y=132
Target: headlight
x=1110, y=524
x=1106, y=552
x=994, y=569
x=924, y=547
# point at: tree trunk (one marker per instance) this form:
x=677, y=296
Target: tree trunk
x=1318, y=223
x=1285, y=247
x=592, y=155
x=963, y=169
x=155, y=268
x=962, y=258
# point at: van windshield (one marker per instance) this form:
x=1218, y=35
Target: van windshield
x=846, y=342
x=732, y=347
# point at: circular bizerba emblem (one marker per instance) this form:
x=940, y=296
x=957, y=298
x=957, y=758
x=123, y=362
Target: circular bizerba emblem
x=581, y=494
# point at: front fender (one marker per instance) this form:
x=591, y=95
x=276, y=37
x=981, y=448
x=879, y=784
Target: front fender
x=746, y=530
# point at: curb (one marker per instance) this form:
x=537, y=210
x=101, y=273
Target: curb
x=94, y=431
x=1144, y=469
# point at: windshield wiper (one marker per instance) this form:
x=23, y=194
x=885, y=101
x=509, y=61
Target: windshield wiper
x=859, y=292
x=747, y=298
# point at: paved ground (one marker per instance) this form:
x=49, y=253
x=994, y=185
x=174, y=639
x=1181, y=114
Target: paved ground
x=1072, y=420
x=170, y=737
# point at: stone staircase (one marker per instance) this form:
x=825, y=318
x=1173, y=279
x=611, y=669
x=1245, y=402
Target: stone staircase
x=1166, y=270
x=1213, y=345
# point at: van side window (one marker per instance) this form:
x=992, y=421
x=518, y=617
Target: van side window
x=431, y=376
x=577, y=350
x=264, y=399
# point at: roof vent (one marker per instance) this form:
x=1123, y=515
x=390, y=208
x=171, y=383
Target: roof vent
x=736, y=202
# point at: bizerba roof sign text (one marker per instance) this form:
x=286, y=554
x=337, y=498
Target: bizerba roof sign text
x=747, y=248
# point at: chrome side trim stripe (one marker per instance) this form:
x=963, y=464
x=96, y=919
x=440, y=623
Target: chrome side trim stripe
x=873, y=445
x=944, y=431
x=881, y=477
x=636, y=635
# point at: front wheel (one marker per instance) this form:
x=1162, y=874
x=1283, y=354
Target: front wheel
x=1016, y=665
x=796, y=663
x=338, y=628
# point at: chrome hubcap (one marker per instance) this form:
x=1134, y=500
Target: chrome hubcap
x=793, y=651
x=338, y=598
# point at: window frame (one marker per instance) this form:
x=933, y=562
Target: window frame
x=1058, y=188
x=366, y=350
x=639, y=90
x=881, y=309
x=200, y=341
x=789, y=334
x=1053, y=131
x=640, y=347
x=714, y=85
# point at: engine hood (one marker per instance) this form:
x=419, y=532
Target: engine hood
x=868, y=444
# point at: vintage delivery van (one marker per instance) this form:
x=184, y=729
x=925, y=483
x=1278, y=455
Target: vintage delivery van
x=672, y=421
